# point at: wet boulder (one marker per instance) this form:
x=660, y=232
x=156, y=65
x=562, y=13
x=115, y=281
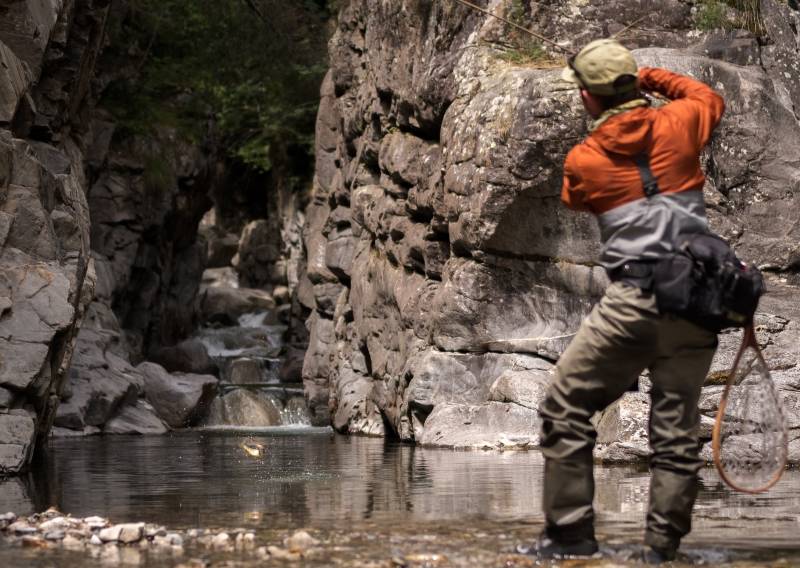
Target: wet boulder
x=258, y=259
x=180, y=399
x=137, y=418
x=189, y=356
x=221, y=247
x=244, y=408
x=100, y=379
x=244, y=370
x=491, y=425
x=355, y=412
x=94, y=402
x=224, y=304
x=526, y=388
x=317, y=369
x=622, y=430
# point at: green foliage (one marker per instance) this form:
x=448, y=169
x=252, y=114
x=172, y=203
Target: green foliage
x=250, y=69
x=525, y=48
x=158, y=176
x=730, y=14
x=711, y=15
x=531, y=52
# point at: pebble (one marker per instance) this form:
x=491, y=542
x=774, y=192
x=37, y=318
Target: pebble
x=22, y=527
x=130, y=532
x=152, y=531
x=221, y=542
x=427, y=559
x=8, y=517
x=282, y=554
x=80, y=532
x=95, y=522
x=194, y=563
x=300, y=541
x=56, y=534
x=123, y=543
x=111, y=534
x=194, y=533
x=54, y=524
x=245, y=540
x=161, y=542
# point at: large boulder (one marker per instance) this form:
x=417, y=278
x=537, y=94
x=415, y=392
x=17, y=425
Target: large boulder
x=189, y=356
x=526, y=388
x=224, y=305
x=244, y=408
x=180, y=399
x=137, y=418
x=486, y=426
x=101, y=379
x=95, y=398
x=17, y=432
x=622, y=430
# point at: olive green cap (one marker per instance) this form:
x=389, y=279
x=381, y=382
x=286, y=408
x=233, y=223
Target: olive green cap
x=598, y=65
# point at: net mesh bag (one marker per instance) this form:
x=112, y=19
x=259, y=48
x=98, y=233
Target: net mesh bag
x=750, y=445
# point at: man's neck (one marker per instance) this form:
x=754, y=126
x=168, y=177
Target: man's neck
x=619, y=109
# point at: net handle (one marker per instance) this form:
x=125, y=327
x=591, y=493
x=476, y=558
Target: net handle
x=748, y=340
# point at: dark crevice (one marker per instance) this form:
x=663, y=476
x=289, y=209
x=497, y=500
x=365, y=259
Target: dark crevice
x=390, y=434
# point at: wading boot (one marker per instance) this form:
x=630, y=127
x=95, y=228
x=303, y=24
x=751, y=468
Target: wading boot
x=652, y=555
x=546, y=548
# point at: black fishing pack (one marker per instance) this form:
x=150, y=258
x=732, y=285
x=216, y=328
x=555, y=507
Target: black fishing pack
x=704, y=282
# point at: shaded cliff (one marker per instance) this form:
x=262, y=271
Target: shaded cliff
x=122, y=113
x=49, y=51
x=445, y=275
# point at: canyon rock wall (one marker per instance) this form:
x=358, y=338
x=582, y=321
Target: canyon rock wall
x=48, y=51
x=444, y=275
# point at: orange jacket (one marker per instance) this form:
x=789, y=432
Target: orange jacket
x=599, y=173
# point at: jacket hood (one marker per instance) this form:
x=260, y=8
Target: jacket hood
x=627, y=133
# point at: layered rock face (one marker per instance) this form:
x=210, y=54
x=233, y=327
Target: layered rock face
x=76, y=317
x=444, y=275
x=48, y=50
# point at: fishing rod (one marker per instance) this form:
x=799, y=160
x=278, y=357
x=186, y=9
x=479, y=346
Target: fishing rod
x=538, y=35
x=517, y=26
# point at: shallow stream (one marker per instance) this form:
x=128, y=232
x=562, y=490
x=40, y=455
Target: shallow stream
x=372, y=501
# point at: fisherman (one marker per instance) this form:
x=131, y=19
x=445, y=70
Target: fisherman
x=639, y=173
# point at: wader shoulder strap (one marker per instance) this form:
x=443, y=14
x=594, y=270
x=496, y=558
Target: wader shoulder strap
x=649, y=181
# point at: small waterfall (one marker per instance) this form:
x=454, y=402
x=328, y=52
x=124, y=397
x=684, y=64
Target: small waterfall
x=242, y=407
x=251, y=394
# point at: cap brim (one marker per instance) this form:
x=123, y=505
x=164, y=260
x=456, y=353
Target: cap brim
x=569, y=76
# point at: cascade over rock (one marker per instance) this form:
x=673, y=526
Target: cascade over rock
x=445, y=276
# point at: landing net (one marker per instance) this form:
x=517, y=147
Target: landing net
x=750, y=438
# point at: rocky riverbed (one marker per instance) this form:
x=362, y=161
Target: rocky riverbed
x=95, y=541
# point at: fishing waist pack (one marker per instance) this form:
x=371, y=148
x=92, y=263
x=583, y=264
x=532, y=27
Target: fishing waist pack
x=704, y=282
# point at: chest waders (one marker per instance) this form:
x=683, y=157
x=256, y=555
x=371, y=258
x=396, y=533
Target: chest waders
x=623, y=335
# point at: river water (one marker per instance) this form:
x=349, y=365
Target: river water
x=398, y=498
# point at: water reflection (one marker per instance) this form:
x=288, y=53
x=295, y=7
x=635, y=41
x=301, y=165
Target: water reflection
x=310, y=477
